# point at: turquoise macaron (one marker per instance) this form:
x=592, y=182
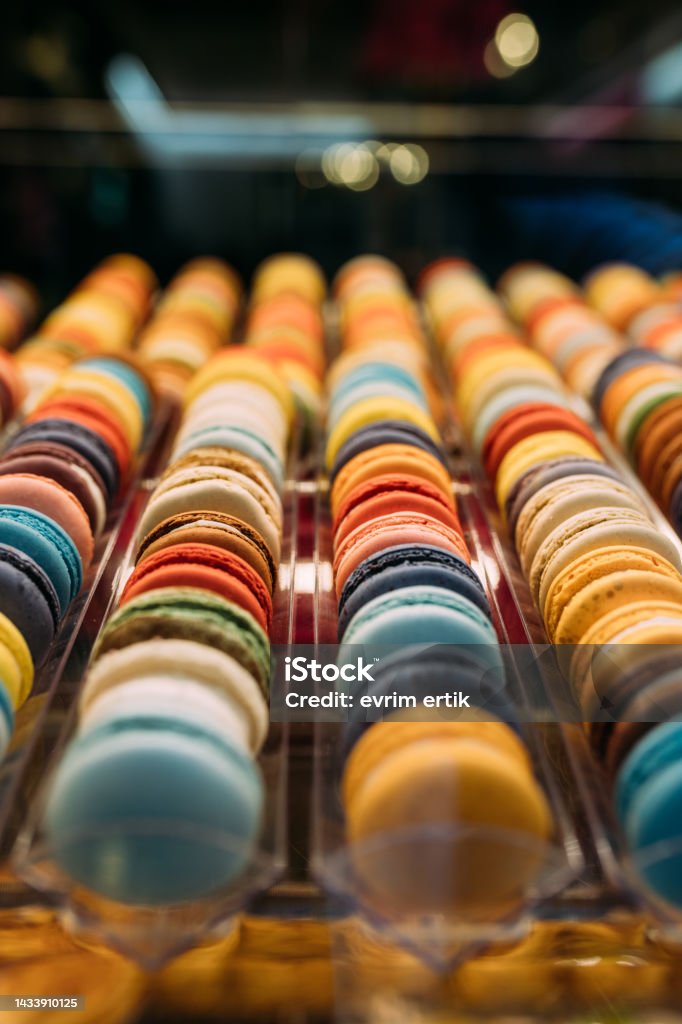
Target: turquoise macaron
x=127, y=375
x=6, y=719
x=376, y=373
x=48, y=545
x=648, y=800
x=371, y=389
x=240, y=439
x=153, y=810
x=425, y=614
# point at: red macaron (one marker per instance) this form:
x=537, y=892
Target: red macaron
x=388, y=494
x=524, y=421
x=207, y=568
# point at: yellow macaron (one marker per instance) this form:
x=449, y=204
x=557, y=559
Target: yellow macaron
x=542, y=447
x=16, y=664
x=463, y=803
x=369, y=410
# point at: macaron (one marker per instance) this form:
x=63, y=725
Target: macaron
x=81, y=439
x=220, y=531
x=175, y=805
x=521, y=423
x=403, y=565
x=539, y=448
x=215, y=489
x=389, y=458
x=184, y=613
x=649, y=806
x=458, y=796
x=590, y=531
x=557, y=502
x=17, y=662
x=422, y=613
x=68, y=469
x=389, y=493
x=44, y=495
x=371, y=411
x=43, y=540
x=28, y=600
x=601, y=580
x=384, y=432
x=389, y=531
x=183, y=661
x=207, y=568
x=540, y=476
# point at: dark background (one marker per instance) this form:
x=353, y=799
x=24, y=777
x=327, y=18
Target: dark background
x=512, y=174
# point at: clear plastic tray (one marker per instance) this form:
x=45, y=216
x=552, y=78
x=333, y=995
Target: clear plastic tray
x=440, y=942
x=153, y=935
x=614, y=878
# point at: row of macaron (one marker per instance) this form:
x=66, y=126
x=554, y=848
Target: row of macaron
x=101, y=316
x=605, y=580
x=194, y=317
x=59, y=475
x=637, y=394
x=19, y=305
x=635, y=303
x=406, y=590
x=162, y=777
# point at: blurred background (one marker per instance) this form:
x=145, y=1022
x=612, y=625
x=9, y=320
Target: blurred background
x=408, y=127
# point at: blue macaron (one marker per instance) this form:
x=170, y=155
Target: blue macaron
x=384, y=432
x=370, y=389
x=6, y=719
x=408, y=565
x=48, y=545
x=376, y=372
x=153, y=810
x=649, y=807
x=424, y=615
x=28, y=599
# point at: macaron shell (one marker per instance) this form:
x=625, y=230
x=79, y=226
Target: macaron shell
x=514, y=427
x=200, y=565
x=590, y=531
x=534, y=450
x=372, y=410
x=401, y=528
x=609, y=592
x=601, y=563
x=391, y=493
x=559, y=502
x=449, y=783
x=178, y=613
x=386, y=459
x=52, y=500
x=67, y=474
x=82, y=440
x=185, y=659
x=220, y=531
x=28, y=600
x=206, y=799
x=16, y=644
x=214, y=490
x=79, y=412
x=385, y=738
